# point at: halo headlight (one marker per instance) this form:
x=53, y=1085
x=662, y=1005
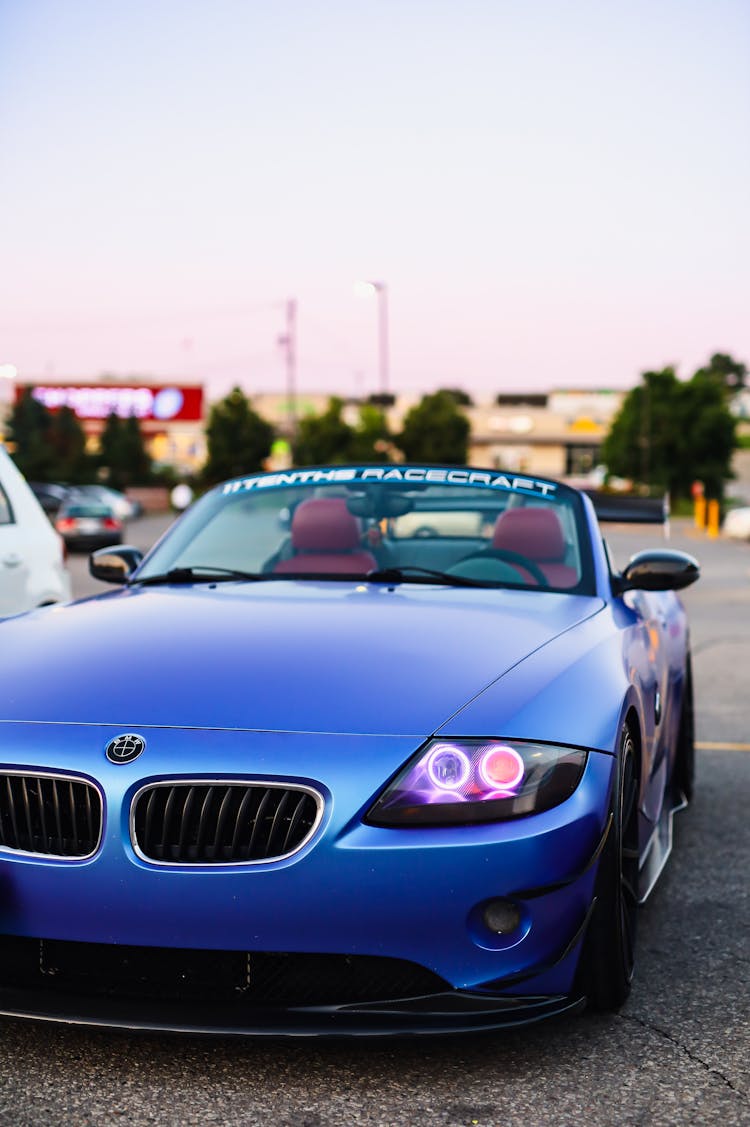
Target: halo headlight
x=458, y=782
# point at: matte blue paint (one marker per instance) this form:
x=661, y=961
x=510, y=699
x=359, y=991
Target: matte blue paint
x=280, y=656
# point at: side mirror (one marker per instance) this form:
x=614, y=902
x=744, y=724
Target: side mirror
x=115, y=565
x=658, y=570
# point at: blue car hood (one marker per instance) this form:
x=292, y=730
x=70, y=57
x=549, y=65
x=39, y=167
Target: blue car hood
x=281, y=656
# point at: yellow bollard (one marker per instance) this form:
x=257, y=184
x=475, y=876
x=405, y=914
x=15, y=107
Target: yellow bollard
x=700, y=511
x=712, y=528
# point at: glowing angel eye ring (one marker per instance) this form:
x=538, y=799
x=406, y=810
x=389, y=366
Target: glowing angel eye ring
x=501, y=768
x=448, y=768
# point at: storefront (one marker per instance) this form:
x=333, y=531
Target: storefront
x=171, y=415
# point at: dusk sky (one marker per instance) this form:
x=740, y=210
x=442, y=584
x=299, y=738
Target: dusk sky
x=556, y=193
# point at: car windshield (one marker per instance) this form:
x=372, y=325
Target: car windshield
x=398, y=524
x=86, y=510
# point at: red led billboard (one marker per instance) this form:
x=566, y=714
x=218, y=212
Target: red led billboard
x=159, y=403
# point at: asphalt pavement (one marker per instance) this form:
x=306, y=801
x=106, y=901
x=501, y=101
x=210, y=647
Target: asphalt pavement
x=678, y=1052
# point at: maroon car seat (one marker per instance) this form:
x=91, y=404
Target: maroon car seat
x=326, y=538
x=536, y=534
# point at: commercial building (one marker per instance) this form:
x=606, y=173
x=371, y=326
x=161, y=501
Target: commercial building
x=171, y=415
x=557, y=433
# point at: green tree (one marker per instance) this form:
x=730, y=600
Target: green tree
x=709, y=439
x=460, y=397
x=435, y=431
x=67, y=439
x=139, y=461
x=371, y=440
x=669, y=433
x=731, y=374
x=123, y=457
x=238, y=438
x=28, y=430
x=323, y=439
x=642, y=442
x=111, y=457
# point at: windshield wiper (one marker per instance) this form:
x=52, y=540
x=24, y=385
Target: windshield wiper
x=422, y=574
x=204, y=573
x=197, y=573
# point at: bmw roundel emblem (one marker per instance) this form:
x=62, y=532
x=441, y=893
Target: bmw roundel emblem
x=124, y=749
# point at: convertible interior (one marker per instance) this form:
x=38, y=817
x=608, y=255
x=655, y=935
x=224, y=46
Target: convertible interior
x=522, y=544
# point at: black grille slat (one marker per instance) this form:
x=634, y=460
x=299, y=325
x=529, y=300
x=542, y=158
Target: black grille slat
x=57, y=812
x=43, y=818
x=72, y=806
x=49, y=815
x=150, y=812
x=204, y=822
x=255, y=836
x=221, y=822
x=170, y=828
x=245, y=804
x=27, y=812
x=89, y=814
x=11, y=804
x=215, y=823
x=277, y=825
x=293, y=823
x=184, y=824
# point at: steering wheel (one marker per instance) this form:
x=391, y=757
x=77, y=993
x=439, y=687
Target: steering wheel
x=514, y=559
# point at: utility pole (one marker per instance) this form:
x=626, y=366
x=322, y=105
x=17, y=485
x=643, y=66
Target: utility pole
x=646, y=432
x=289, y=343
x=383, y=338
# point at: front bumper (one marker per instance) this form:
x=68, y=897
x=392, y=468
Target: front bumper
x=459, y=1012
x=231, y=993
x=355, y=891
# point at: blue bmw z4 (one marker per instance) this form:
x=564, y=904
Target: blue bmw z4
x=352, y=750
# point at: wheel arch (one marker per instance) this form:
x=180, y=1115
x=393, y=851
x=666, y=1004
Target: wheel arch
x=633, y=724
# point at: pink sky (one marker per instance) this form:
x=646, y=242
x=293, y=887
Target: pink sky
x=555, y=194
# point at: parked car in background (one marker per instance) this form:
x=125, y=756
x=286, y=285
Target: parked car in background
x=85, y=525
x=737, y=524
x=32, y=555
x=122, y=507
x=50, y=495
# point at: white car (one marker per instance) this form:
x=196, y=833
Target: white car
x=737, y=524
x=32, y=559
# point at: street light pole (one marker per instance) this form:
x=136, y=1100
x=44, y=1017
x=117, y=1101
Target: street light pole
x=381, y=292
x=289, y=343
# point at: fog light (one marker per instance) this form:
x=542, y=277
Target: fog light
x=501, y=917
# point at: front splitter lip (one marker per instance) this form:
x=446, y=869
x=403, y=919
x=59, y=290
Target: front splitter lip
x=456, y=1011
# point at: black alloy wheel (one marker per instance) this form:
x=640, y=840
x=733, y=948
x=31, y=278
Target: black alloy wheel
x=608, y=956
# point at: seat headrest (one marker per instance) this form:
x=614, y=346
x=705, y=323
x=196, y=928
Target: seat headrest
x=534, y=533
x=324, y=524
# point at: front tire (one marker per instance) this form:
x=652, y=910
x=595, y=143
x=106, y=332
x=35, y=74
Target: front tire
x=608, y=956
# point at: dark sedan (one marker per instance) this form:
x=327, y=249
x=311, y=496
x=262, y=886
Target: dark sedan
x=85, y=525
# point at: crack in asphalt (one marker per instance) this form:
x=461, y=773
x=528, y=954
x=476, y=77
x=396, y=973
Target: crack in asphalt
x=688, y=1053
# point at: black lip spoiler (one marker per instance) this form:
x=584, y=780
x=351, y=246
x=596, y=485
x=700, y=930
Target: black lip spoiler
x=623, y=508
